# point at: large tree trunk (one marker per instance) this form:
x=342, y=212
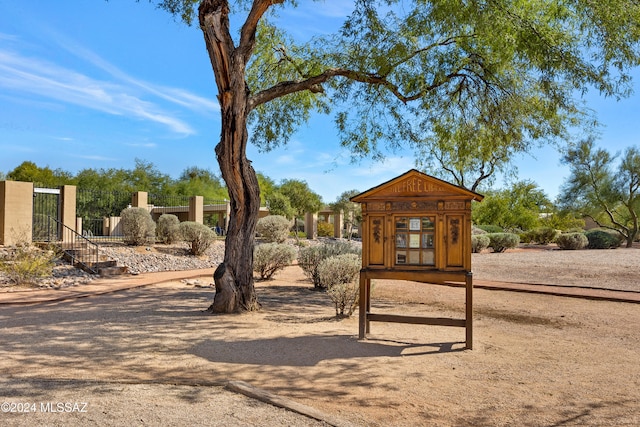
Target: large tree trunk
x=234, y=277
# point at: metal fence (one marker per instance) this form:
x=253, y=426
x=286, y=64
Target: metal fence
x=46, y=205
x=162, y=203
x=97, y=209
x=94, y=204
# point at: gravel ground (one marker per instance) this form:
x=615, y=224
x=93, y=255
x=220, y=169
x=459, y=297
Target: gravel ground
x=617, y=269
x=80, y=403
x=148, y=259
x=152, y=357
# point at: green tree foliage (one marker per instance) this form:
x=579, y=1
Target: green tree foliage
x=470, y=152
x=301, y=198
x=516, y=208
x=279, y=204
x=195, y=181
x=267, y=188
x=43, y=176
x=146, y=177
x=607, y=193
x=396, y=69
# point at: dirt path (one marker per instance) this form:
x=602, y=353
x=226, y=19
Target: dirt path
x=150, y=356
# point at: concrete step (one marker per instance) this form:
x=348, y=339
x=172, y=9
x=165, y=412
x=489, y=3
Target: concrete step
x=113, y=271
x=104, y=264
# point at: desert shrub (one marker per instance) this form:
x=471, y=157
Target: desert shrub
x=268, y=258
x=325, y=229
x=310, y=258
x=572, y=241
x=25, y=264
x=198, y=235
x=273, y=228
x=138, y=227
x=479, y=242
x=601, y=239
x=339, y=275
x=500, y=242
x=543, y=235
x=476, y=230
x=168, y=229
x=526, y=236
x=574, y=230
x=490, y=228
x=301, y=234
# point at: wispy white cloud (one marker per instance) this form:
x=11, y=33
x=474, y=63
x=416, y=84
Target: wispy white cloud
x=17, y=148
x=8, y=37
x=96, y=157
x=389, y=166
x=124, y=95
x=175, y=95
x=286, y=159
x=143, y=144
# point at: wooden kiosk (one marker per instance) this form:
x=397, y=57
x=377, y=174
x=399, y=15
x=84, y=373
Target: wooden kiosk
x=418, y=228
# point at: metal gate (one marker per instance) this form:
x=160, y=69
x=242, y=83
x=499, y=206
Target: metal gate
x=46, y=212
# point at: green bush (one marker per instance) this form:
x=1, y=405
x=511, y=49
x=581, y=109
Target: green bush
x=526, y=236
x=168, y=229
x=602, y=239
x=325, y=229
x=138, y=227
x=479, y=242
x=543, y=235
x=574, y=230
x=310, y=258
x=268, y=258
x=475, y=230
x=500, y=242
x=490, y=228
x=273, y=228
x=198, y=235
x=339, y=275
x=26, y=264
x=572, y=241
x=301, y=234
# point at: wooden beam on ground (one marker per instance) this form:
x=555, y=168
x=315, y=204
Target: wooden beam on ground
x=282, y=402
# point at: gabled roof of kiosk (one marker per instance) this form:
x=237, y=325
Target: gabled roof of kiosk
x=415, y=184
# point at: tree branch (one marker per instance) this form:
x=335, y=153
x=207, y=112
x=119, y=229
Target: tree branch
x=249, y=29
x=314, y=82
x=213, y=16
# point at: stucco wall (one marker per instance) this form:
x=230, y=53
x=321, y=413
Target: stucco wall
x=16, y=212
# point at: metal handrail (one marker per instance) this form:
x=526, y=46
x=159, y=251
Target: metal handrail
x=81, y=250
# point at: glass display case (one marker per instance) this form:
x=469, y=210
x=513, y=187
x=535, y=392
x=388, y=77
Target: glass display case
x=414, y=237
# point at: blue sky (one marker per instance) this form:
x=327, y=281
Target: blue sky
x=96, y=84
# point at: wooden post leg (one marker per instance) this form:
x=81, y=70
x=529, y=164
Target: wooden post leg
x=368, y=287
x=469, y=311
x=362, y=307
